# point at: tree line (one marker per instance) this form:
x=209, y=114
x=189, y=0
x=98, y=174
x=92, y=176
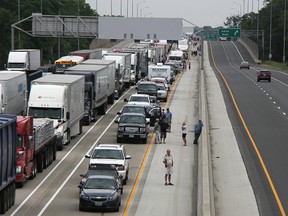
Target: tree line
x=251, y=22
x=13, y=11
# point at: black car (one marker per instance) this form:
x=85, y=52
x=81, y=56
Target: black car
x=132, y=126
x=102, y=169
x=100, y=192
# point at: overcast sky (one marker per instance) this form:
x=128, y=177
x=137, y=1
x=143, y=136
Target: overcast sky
x=199, y=12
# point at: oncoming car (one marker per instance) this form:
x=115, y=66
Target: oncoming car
x=100, y=192
x=245, y=64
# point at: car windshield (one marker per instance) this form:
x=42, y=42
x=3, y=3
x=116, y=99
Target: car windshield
x=101, y=172
x=95, y=183
x=132, y=119
x=133, y=109
x=138, y=99
x=161, y=87
x=108, y=154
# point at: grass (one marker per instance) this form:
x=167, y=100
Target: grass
x=275, y=66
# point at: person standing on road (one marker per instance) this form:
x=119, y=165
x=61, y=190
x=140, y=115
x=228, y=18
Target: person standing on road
x=163, y=130
x=157, y=131
x=198, y=130
x=168, y=116
x=168, y=162
x=184, y=133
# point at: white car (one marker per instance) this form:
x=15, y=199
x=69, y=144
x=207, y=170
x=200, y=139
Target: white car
x=162, y=92
x=138, y=98
x=111, y=154
x=161, y=80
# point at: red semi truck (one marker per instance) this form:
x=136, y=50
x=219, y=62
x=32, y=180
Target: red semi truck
x=36, y=147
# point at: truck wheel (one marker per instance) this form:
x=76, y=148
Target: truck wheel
x=40, y=162
x=68, y=137
x=34, y=169
x=45, y=159
x=111, y=99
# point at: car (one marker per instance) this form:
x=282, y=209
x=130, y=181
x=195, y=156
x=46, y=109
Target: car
x=100, y=192
x=245, y=64
x=111, y=154
x=149, y=110
x=132, y=126
x=163, y=81
x=264, y=75
x=142, y=98
x=147, y=87
x=222, y=38
x=173, y=66
x=102, y=169
x=162, y=93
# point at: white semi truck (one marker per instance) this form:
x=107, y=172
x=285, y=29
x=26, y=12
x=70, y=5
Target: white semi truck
x=159, y=71
x=12, y=92
x=24, y=60
x=61, y=99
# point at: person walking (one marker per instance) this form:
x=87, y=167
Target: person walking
x=198, y=130
x=184, y=133
x=157, y=131
x=168, y=116
x=163, y=130
x=168, y=162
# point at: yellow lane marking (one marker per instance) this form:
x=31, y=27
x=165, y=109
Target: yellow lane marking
x=143, y=163
x=251, y=138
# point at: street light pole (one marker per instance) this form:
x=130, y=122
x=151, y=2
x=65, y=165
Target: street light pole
x=243, y=7
x=258, y=22
x=111, y=8
x=284, y=34
x=239, y=7
x=270, y=39
x=127, y=8
x=138, y=6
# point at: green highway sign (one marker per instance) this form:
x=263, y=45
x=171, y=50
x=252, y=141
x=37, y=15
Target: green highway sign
x=229, y=32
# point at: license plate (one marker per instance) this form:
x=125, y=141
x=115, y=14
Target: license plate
x=98, y=203
x=131, y=136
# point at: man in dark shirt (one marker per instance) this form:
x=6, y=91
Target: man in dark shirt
x=198, y=130
x=163, y=130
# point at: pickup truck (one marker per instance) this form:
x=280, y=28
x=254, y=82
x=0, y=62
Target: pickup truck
x=264, y=75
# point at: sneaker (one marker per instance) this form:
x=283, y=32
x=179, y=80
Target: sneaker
x=166, y=183
x=164, y=142
x=170, y=183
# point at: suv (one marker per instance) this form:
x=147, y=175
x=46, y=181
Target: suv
x=111, y=154
x=132, y=126
x=264, y=75
x=147, y=87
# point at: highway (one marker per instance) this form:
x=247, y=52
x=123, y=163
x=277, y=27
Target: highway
x=258, y=112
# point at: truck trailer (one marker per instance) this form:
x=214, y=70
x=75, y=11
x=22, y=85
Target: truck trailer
x=8, y=143
x=61, y=99
x=97, y=89
x=12, y=92
x=38, y=155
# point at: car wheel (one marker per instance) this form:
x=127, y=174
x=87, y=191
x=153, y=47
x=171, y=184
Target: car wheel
x=81, y=208
x=119, y=140
x=269, y=80
x=258, y=80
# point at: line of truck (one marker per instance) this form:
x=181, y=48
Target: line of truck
x=40, y=113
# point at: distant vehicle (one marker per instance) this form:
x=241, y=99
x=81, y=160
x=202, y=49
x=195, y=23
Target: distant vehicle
x=245, y=64
x=67, y=61
x=138, y=98
x=101, y=192
x=264, y=75
x=24, y=60
x=162, y=81
x=162, y=92
x=102, y=169
x=132, y=126
x=222, y=38
x=111, y=154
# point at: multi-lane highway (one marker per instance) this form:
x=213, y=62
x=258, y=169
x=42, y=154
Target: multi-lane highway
x=258, y=111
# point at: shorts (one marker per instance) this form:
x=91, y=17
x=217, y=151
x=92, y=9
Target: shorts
x=163, y=134
x=169, y=170
x=184, y=135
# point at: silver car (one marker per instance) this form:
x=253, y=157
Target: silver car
x=162, y=93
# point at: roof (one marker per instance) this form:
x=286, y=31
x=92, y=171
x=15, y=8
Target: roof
x=110, y=146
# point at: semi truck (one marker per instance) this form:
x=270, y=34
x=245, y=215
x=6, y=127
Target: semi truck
x=36, y=147
x=111, y=66
x=97, y=89
x=8, y=143
x=61, y=99
x=124, y=59
x=24, y=60
x=12, y=92
x=90, y=53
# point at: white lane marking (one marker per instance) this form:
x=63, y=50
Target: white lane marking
x=61, y=161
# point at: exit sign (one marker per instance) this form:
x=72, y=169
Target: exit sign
x=229, y=32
